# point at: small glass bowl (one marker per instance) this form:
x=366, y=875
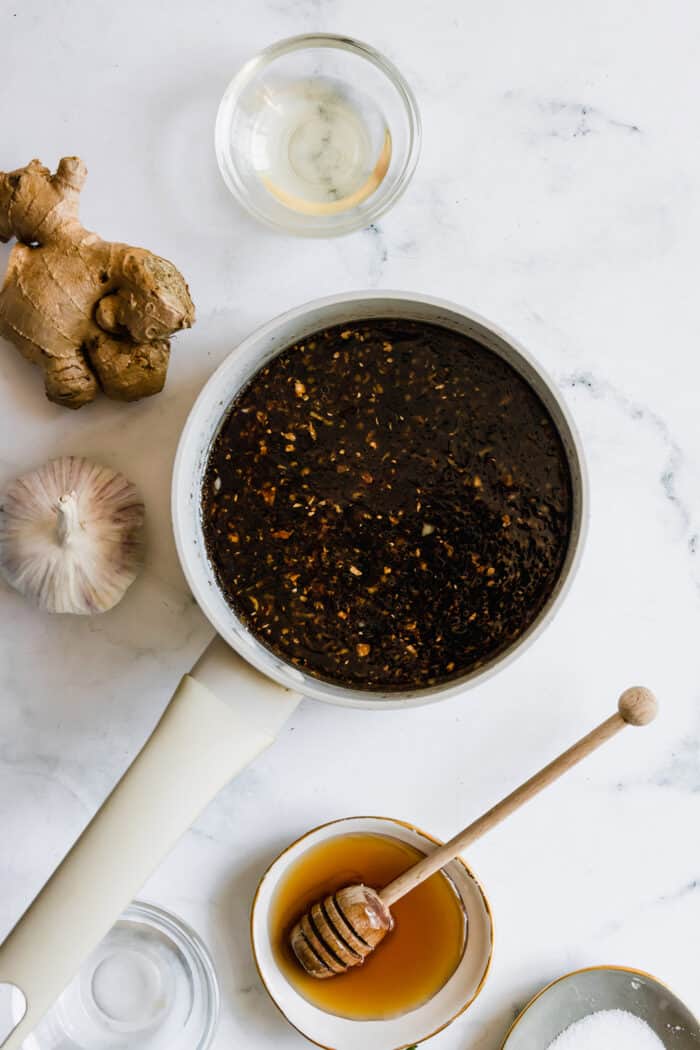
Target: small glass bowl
x=149, y=985
x=318, y=135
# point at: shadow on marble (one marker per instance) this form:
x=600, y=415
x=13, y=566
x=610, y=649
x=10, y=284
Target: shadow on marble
x=241, y=988
x=183, y=156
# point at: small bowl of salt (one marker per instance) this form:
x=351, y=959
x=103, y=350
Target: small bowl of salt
x=605, y=1008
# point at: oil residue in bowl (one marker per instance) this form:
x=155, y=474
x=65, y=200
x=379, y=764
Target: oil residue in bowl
x=318, y=145
x=414, y=961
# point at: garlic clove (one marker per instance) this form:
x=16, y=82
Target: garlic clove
x=71, y=536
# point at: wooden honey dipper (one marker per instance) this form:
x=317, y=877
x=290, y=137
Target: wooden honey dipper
x=341, y=931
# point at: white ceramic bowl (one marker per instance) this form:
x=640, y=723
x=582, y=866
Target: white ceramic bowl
x=328, y=1030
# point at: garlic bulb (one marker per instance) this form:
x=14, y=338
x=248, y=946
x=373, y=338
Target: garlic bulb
x=71, y=536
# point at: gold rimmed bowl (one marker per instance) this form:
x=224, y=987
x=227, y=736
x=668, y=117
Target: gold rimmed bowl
x=584, y=992
x=343, y=1033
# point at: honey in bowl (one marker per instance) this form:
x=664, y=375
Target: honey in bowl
x=413, y=962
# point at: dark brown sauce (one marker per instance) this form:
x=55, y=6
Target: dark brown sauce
x=388, y=505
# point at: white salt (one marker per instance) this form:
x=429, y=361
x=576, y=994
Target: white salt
x=608, y=1030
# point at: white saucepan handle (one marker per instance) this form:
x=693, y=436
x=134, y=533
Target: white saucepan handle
x=202, y=740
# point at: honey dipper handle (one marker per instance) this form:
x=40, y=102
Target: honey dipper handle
x=637, y=706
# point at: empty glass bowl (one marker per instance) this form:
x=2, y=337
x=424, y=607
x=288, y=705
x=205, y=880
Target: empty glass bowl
x=317, y=135
x=149, y=985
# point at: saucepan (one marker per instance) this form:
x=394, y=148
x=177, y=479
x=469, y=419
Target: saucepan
x=238, y=695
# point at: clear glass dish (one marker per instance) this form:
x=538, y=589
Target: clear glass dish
x=318, y=135
x=149, y=985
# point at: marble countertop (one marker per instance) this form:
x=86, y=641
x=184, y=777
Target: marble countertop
x=559, y=195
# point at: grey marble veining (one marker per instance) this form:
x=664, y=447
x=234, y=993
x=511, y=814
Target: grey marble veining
x=559, y=195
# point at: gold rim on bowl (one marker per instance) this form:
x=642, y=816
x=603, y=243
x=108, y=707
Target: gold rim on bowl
x=418, y=831
x=574, y=973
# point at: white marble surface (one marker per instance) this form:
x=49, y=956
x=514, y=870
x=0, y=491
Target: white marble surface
x=559, y=194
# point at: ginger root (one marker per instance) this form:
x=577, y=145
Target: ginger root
x=92, y=314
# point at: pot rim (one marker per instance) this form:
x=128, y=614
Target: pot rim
x=195, y=441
